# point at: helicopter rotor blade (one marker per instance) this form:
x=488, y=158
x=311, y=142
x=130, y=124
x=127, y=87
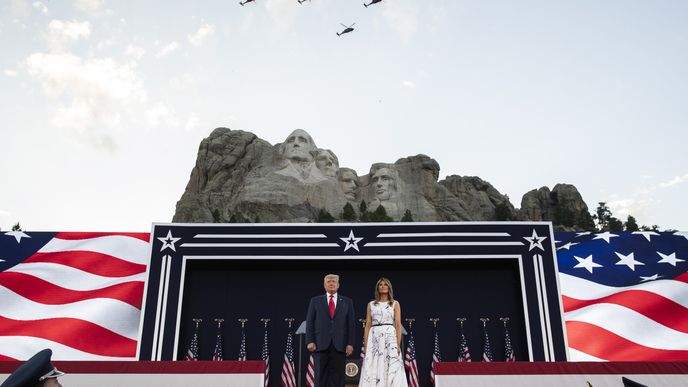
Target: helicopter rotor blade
x=344, y=25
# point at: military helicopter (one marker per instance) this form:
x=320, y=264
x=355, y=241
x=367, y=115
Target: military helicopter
x=245, y=2
x=371, y=3
x=347, y=29
x=302, y=1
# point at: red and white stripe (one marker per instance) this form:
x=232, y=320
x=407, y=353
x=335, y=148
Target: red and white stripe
x=310, y=372
x=645, y=322
x=288, y=373
x=435, y=360
x=412, y=367
x=79, y=295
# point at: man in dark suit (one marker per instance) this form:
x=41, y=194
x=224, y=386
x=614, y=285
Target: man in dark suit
x=330, y=327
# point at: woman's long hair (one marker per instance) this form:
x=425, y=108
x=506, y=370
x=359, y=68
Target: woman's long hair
x=377, y=291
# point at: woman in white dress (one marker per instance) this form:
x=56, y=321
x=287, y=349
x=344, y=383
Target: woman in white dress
x=383, y=364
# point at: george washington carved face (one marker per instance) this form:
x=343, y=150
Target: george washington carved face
x=298, y=146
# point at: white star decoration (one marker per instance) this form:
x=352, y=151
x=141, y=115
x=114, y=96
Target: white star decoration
x=646, y=234
x=567, y=246
x=351, y=241
x=651, y=278
x=681, y=234
x=580, y=234
x=168, y=241
x=535, y=241
x=18, y=235
x=670, y=259
x=628, y=260
x=586, y=263
x=605, y=235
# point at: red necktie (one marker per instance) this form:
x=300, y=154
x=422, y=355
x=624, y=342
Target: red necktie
x=331, y=305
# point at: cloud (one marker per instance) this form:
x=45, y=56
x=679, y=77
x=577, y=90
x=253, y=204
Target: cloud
x=41, y=7
x=168, y=49
x=93, y=7
x=203, y=32
x=62, y=33
x=193, y=122
x=161, y=114
x=408, y=84
x=134, y=53
x=281, y=11
x=402, y=17
x=99, y=91
x=10, y=73
x=676, y=180
x=622, y=207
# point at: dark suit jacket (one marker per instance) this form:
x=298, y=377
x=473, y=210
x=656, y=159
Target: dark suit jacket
x=323, y=331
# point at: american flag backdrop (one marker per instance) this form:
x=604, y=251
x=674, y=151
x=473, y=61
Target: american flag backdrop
x=79, y=294
x=627, y=290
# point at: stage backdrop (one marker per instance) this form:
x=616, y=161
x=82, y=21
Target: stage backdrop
x=439, y=270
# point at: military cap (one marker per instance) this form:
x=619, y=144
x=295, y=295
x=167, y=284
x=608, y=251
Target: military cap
x=33, y=371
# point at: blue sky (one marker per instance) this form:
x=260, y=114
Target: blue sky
x=104, y=103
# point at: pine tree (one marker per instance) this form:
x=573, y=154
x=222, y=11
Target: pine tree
x=380, y=215
x=407, y=216
x=17, y=227
x=324, y=217
x=631, y=224
x=348, y=212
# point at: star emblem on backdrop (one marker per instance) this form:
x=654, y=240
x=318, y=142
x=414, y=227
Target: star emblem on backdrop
x=586, y=263
x=628, y=260
x=607, y=236
x=535, y=241
x=18, y=235
x=168, y=241
x=351, y=241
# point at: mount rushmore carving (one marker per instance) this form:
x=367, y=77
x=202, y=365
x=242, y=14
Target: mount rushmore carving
x=240, y=177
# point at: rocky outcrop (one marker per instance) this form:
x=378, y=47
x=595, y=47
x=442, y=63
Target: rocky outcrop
x=240, y=177
x=563, y=206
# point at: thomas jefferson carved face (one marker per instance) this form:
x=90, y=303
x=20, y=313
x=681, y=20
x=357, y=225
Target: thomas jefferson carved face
x=384, y=184
x=349, y=183
x=327, y=162
x=298, y=146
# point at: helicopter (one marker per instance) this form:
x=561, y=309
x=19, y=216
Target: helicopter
x=245, y=2
x=347, y=29
x=371, y=3
x=302, y=1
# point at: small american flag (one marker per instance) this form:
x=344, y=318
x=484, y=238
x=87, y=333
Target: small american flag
x=410, y=361
x=310, y=372
x=265, y=355
x=487, y=350
x=288, y=373
x=242, y=347
x=508, y=349
x=436, y=357
x=464, y=354
x=192, y=352
x=217, y=353
x=628, y=291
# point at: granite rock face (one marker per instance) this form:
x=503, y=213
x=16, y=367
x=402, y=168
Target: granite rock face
x=239, y=177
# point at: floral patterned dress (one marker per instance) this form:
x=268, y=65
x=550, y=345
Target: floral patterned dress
x=383, y=365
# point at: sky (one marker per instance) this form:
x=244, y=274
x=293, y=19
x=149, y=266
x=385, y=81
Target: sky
x=104, y=103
